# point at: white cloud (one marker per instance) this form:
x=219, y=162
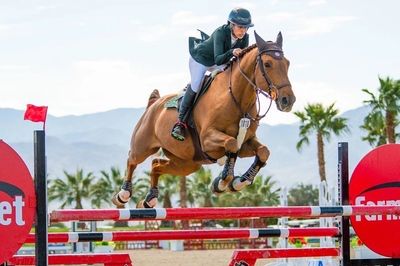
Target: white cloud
x=82, y=23
x=107, y=84
x=278, y=17
x=248, y=5
x=297, y=66
x=102, y=85
x=192, y=32
x=308, y=92
x=14, y=67
x=187, y=18
x=322, y=92
x=317, y=25
x=4, y=29
x=316, y=2
x=99, y=66
x=275, y=2
x=91, y=86
x=154, y=33
x=182, y=20
x=135, y=22
x=168, y=83
x=88, y=86
x=302, y=24
x=45, y=7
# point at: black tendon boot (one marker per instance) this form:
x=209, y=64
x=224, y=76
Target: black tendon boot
x=178, y=131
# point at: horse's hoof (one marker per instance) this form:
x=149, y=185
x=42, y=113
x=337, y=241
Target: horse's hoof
x=117, y=201
x=143, y=205
x=232, y=184
x=216, y=184
x=237, y=184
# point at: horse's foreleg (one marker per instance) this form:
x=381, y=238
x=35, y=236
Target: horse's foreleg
x=217, y=140
x=125, y=193
x=250, y=148
x=221, y=182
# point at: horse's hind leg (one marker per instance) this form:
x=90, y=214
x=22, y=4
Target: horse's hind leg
x=123, y=196
x=159, y=167
x=150, y=200
x=136, y=156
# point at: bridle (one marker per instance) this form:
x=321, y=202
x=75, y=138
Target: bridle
x=273, y=91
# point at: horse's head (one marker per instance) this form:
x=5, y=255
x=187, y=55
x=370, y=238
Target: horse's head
x=272, y=72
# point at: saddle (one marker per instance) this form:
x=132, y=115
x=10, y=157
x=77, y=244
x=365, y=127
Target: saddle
x=175, y=102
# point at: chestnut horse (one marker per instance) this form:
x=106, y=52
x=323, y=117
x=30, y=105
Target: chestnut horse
x=232, y=96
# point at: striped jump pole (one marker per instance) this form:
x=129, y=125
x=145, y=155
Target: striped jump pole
x=188, y=234
x=250, y=256
x=218, y=213
x=114, y=259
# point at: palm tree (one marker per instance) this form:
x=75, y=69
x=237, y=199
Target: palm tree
x=228, y=200
x=303, y=195
x=321, y=121
x=108, y=184
x=374, y=124
x=73, y=191
x=168, y=186
x=261, y=193
x=183, y=195
x=199, y=185
x=385, y=108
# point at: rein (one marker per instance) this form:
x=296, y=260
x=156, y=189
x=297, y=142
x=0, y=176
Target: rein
x=272, y=93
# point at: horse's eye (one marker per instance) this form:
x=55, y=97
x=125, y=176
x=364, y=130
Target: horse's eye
x=267, y=64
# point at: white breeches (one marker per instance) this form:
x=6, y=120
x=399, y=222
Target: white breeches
x=197, y=72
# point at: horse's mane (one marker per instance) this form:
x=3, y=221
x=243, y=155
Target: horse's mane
x=247, y=49
x=242, y=53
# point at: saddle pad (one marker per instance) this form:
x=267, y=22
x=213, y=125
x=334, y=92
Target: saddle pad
x=173, y=102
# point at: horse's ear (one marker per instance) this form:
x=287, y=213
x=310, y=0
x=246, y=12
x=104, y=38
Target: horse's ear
x=279, y=39
x=259, y=41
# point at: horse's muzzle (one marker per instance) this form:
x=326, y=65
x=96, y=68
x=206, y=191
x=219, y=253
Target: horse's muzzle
x=285, y=103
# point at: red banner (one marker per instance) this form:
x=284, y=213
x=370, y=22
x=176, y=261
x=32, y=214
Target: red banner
x=35, y=113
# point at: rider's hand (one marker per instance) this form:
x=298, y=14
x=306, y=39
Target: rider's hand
x=236, y=51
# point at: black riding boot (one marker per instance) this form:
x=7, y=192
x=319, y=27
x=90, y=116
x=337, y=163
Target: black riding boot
x=178, y=131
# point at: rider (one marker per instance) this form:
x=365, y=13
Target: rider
x=226, y=41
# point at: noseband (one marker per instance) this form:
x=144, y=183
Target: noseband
x=273, y=91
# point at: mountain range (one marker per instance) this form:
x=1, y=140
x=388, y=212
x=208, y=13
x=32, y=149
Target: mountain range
x=101, y=140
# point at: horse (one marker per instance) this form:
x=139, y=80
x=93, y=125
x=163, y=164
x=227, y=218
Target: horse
x=232, y=97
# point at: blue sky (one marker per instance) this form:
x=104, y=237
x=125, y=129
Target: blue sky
x=82, y=57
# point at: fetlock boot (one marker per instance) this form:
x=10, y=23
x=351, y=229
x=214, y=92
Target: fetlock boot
x=178, y=131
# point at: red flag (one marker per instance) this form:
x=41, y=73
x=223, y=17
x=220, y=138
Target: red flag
x=35, y=113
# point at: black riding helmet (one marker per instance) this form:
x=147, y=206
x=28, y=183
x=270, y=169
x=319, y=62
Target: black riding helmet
x=240, y=17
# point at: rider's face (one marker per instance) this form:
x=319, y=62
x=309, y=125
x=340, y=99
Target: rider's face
x=239, y=31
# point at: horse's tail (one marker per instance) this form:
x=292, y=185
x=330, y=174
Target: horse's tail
x=154, y=96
